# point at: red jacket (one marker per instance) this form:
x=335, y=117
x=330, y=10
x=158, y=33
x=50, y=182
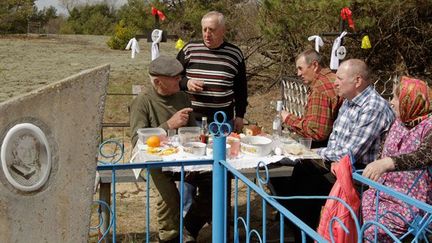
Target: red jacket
x=343, y=189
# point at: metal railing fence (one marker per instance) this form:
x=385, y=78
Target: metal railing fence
x=294, y=93
x=221, y=172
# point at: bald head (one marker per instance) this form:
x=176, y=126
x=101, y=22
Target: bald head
x=357, y=67
x=352, y=78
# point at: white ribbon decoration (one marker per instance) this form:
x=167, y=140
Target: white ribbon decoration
x=318, y=41
x=156, y=38
x=133, y=46
x=334, y=61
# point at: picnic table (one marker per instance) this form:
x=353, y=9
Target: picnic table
x=277, y=166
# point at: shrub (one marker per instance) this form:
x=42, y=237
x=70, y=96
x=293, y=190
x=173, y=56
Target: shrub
x=122, y=35
x=66, y=29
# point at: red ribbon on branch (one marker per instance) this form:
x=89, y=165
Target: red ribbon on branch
x=346, y=15
x=159, y=13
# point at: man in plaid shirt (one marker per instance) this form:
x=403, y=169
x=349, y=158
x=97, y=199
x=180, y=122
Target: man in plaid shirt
x=363, y=119
x=322, y=104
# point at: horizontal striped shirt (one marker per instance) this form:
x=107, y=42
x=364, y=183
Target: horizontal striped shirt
x=359, y=128
x=224, y=74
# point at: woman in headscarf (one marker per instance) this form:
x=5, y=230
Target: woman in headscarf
x=412, y=104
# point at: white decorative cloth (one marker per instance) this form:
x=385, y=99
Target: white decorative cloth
x=156, y=38
x=334, y=61
x=133, y=46
x=318, y=41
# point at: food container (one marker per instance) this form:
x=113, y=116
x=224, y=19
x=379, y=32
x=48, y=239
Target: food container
x=256, y=145
x=144, y=133
x=189, y=134
x=293, y=149
x=287, y=140
x=195, y=148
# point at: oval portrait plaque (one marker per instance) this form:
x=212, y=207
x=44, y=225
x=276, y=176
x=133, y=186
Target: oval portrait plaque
x=26, y=157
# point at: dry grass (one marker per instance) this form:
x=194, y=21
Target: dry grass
x=27, y=63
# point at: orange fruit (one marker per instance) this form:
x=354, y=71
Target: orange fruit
x=153, y=141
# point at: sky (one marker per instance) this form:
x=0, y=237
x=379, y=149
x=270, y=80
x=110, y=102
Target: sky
x=60, y=10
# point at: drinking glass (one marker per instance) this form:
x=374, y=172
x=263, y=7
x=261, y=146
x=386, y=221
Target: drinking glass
x=172, y=138
x=306, y=142
x=235, y=146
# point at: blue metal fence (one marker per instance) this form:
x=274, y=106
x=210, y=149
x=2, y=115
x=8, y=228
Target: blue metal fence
x=220, y=171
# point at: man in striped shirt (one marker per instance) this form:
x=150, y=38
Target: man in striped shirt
x=214, y=73
x=214, y=76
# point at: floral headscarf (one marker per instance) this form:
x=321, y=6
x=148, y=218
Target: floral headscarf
x=414, y=101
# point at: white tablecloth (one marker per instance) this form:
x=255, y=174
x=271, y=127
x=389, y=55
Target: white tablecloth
x=243, y=161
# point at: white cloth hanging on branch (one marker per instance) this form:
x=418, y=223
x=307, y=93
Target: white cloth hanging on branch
x=133, y=46
x=318, y=41
x=156, y=38
x=334, y=61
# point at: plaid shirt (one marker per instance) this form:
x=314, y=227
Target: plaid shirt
x=321, y=109
x=359, y=128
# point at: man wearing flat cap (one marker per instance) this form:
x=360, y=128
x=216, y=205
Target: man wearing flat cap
x=164, y=106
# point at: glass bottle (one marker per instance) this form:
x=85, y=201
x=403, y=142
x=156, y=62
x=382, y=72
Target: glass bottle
x=204, y=130
x=277, y=121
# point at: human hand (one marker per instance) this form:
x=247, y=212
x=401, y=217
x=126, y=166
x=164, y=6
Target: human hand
x=238, y=124
x=179, y=119
x=284, y=115
x=333, y=168
x=195, y=85
x=375, y=169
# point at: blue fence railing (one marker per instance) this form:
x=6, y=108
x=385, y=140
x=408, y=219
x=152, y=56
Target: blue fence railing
x=222, y=172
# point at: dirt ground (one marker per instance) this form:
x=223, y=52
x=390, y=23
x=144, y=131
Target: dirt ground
x=30, y=62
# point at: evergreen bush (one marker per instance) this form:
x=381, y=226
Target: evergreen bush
x=122, y=35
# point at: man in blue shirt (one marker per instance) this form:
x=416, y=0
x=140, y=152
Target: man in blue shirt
x=362, y=122
x=363, y=118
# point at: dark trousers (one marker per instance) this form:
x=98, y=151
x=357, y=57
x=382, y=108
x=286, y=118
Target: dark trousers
x=308, y=179
x=200, y=211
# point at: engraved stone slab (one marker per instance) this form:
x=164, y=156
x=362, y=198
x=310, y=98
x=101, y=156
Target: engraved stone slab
x=49, y=141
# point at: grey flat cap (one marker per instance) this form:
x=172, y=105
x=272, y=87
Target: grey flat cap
x=165, y=66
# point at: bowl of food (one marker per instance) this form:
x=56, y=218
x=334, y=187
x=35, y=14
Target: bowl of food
x=189, y=134
x=195, y=148
x=256, y=145
x=145, y=133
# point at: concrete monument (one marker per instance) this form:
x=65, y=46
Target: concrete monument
x=49, y=142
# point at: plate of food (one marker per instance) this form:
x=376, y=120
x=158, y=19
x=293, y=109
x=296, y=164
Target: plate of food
x=299, y=151
x=294, y=149
x=155, y=147
x=161, y=151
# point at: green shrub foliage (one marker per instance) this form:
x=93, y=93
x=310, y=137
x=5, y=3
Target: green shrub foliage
x=399, y=30
x=271, y=32
x=96, y=19
x=121, y=37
